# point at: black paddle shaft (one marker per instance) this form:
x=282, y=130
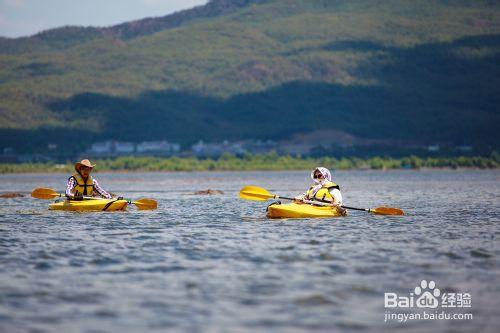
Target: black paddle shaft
x=354, y=208
x=280, y=197
x=293, y=199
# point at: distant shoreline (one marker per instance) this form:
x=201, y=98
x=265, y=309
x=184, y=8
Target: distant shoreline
x=265, y=162
x=100, y=171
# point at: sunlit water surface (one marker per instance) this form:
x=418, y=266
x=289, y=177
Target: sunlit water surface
x=216, y=263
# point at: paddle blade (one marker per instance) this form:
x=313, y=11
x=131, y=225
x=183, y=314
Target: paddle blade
x=255, y=193
x=44, y=193
x=387, y=211
x=145, y=204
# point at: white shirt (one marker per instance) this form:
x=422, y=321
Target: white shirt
x=337, y=196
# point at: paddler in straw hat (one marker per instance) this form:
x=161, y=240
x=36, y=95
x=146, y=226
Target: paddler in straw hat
x=82, y=184
x=323, y=189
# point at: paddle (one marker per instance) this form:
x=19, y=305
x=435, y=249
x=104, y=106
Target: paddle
x=48, y=193
x=260, y=194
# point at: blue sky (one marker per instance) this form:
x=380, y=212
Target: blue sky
x=27, y=17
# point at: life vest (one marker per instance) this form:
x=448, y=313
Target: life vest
x=323, y=194
x=82, y=187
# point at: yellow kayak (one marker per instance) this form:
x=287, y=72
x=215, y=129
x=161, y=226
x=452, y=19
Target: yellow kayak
x=90, y=205
x=296, y=210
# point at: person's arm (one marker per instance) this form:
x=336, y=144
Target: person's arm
x=337, y=196
x=99, y=190
x=69, y=187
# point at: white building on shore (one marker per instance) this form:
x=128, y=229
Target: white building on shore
x=113, y=148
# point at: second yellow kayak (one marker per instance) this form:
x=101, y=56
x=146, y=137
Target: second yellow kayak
x=107, y=205
x=296, y=210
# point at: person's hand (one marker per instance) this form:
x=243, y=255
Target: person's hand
x=299, y=198
x=78, y=197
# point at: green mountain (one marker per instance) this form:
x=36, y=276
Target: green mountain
x=409, y=72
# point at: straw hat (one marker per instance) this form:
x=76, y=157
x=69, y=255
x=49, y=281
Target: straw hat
x=83, y=163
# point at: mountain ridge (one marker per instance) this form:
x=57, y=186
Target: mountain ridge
x=429, y=64
x=127, y=30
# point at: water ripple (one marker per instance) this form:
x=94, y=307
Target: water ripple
x=217, y=264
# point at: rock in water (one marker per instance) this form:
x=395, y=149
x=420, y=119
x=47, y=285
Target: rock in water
x=208, y=192
x=9, y=195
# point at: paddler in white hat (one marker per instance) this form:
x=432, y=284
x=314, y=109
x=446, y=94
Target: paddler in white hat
x=323, y=189
x=81, y=184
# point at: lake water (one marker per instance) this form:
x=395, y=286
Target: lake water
x=216, y=264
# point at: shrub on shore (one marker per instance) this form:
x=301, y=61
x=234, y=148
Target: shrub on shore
x=271, y=161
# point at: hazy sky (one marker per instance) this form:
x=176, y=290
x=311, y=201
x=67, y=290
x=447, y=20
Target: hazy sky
x=27, y=17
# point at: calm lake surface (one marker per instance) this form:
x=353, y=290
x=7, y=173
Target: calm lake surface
x=217, y=264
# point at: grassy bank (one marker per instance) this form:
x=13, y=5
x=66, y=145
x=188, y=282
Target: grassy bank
x=270, y=161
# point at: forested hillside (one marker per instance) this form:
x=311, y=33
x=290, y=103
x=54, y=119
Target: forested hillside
x=411, y=72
